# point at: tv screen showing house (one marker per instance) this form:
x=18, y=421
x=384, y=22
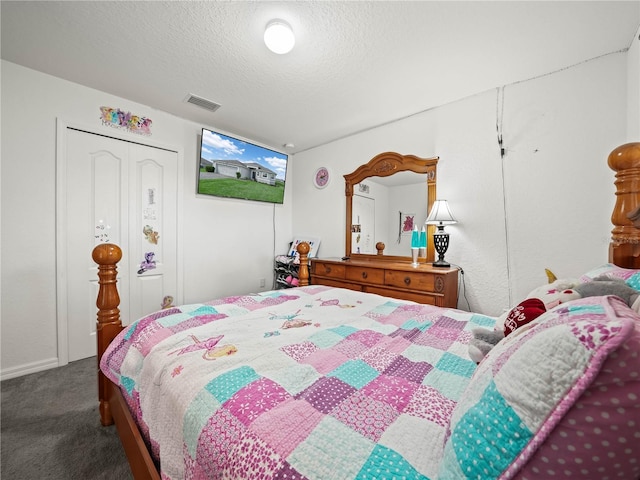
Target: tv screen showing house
x=234, y=168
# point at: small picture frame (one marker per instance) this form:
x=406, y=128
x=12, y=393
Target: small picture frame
x=314, y=244
x=407, y=221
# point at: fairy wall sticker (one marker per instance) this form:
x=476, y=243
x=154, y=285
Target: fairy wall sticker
x=151, y=235
x=116, y=118
x=167, y=302
x=148, y=263
x=102, y=232
x=149, y=212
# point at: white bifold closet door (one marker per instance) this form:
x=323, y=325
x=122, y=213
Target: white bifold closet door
x=118, y=192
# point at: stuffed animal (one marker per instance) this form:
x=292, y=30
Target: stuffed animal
x=545, y=298
x=556, y=292
x=483, y=340
x=604, y=285
x=551, y=294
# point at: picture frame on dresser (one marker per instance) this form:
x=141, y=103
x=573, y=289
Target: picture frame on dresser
x=314, y=245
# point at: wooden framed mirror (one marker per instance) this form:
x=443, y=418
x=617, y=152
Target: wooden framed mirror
x=381, y=168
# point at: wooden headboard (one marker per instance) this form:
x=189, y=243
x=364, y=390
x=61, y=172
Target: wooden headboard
x=624, y=249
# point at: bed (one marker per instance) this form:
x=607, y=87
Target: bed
x=316, y=382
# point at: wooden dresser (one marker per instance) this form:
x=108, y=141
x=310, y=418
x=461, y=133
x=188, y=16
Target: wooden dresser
x=422, y=284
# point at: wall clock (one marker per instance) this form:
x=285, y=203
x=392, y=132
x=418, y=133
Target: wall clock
x=321, y=177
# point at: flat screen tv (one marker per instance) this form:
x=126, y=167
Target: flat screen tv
x=234, y=168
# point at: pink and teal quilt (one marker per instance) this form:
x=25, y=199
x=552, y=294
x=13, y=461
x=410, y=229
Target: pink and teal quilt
x=307, y=383
x=325, y=383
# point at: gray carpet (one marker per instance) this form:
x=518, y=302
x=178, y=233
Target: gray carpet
x=51, y=427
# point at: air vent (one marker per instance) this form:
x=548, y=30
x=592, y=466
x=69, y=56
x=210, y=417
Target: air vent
x=202, y=102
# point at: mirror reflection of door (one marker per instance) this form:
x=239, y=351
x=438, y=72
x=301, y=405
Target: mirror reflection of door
x=363, y=225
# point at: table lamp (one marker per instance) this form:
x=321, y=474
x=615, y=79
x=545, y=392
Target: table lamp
x=440, y=216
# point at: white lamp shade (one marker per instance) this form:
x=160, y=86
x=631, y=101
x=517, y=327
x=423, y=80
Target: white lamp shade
x=279, y=38
x=440, y=214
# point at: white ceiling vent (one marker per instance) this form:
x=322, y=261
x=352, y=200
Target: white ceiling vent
x=202, y=102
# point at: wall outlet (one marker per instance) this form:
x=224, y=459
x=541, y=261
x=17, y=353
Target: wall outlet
x=262, y=282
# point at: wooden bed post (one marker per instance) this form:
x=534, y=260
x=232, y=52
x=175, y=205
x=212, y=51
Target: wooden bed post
x=624, y=248
x=106, y=255
x=303, y=275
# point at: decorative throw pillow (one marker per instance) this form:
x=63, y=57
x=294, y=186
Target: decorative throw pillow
x=607, y=442
x=527, y=383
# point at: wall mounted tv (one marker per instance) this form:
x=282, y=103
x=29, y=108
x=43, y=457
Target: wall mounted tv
x=234, y=168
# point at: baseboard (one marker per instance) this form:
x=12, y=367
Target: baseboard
x=28, y=368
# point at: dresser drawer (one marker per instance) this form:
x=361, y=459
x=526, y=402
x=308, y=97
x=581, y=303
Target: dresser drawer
x=413, y=280
x=336, y=283
x=404, y=295
x=328, y=269
x=365, y=274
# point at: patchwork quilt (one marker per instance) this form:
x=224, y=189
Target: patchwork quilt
x=306, y=383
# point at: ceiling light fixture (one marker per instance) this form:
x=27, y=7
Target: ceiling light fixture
x=278, y=36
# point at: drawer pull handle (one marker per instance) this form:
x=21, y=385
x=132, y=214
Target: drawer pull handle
x=327, y=269
x=407, y=280
x=364, y=274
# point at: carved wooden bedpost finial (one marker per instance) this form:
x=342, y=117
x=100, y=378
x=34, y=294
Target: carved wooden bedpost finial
x=106, y=255
x=380, y=248
x=303, y=276
x=624, y=249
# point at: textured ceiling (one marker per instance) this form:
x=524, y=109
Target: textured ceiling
x=355, y=65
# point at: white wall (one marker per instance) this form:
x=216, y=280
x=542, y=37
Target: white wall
x=228, y=245
x=633, y=89
x=556, y=190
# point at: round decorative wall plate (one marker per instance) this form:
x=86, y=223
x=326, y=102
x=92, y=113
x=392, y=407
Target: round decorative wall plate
x=321, y=177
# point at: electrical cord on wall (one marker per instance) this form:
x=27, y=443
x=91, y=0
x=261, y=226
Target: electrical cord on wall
x=499, y=127
x=499, y=118
x=464, y=286
x=273, y=223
